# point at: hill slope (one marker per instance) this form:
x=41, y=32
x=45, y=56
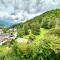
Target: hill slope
x=43, y=35
x=47, y=20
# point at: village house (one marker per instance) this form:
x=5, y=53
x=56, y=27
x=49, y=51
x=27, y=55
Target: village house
x=13, y=31
x=5, y=36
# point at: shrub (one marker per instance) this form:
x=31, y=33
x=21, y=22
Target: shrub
x=44, y=24
x=32, y=37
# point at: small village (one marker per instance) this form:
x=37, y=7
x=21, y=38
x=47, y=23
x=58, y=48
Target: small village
x=11, y=35
x=7, y=36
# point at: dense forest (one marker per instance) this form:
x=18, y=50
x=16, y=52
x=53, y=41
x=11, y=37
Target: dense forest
x=43, y=35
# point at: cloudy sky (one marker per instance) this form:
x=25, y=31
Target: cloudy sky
x=20, y=10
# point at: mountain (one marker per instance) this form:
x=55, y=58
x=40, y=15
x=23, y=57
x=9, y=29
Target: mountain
x=51, y=15
x=48, y=20
x=5, y=23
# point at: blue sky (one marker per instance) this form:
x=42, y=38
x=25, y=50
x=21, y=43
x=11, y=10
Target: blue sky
x=21, y=10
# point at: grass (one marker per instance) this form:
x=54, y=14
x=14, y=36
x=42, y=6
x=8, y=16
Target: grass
x=38, y=37
x=4, y=50
x=42, y=33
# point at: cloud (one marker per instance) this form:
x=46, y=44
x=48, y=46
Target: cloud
x=21, y=10
x=3, y=14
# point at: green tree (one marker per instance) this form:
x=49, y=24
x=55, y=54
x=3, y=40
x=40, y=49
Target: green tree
x=35, y=28
x=26, y=32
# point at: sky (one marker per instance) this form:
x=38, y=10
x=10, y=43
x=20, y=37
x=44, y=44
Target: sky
x=17, y=11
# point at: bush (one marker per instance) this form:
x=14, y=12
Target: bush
x=31, y=37
x=44, y=24
x=54, y=31
x=48, y=24
x=20, y=32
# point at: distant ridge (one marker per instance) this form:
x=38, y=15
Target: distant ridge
x=5, y=23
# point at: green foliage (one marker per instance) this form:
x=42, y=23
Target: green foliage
x=33, y=51
x=48, y=20
x=31, y=37
x=35, y=28
x=26, y=32
x=5, y=30
x=44, y=24
x=20, y=32
x=54, y=31
x=46, y=48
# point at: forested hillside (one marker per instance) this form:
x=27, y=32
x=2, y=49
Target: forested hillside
x=47, y=20
x=43, y=36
